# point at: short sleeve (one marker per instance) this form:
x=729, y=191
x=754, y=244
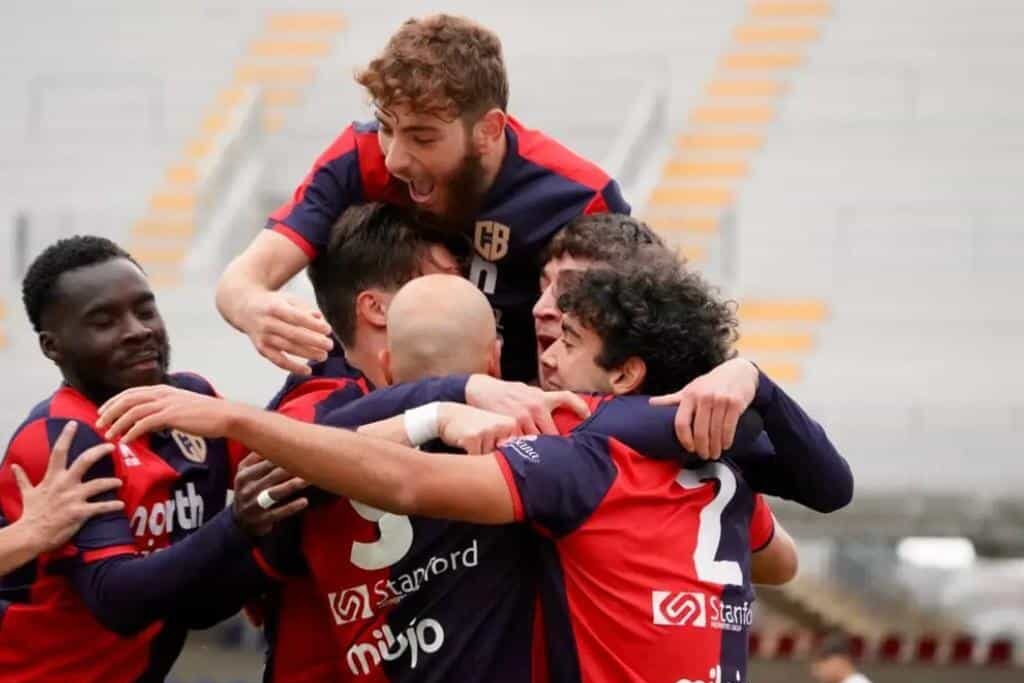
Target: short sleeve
x=762, y=524
x=330, y=187
x=557, y=482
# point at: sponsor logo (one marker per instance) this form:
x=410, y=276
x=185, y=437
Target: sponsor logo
x=679, y=609
x=192, y=447
x=426, y=636
x=700, y=611
x=491, y=240
x=350, y=604
x=183, y=511
x=521, y=446
x=362, y=601
x=128, y=456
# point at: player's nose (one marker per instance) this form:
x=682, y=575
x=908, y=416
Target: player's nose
x=398, y=161
x=545, y=306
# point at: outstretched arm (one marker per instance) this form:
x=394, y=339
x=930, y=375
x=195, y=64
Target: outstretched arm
x=385, y=475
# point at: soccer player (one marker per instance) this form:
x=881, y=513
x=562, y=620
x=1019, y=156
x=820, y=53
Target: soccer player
x=107, y=606
x=54, y=510
x=442, y=143
x=478, y=490
x=372, y=251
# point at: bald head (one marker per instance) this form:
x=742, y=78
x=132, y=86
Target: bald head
x=440, y=325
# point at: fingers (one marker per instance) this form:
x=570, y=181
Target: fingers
x=59, y=455
x=21, y=479
x=729, y=422
x=574, y=402
x=667, y=399
x=131, y=419
x=276, y=514
x=249, y=460
x=275, y=477
x=293, y=347
x=252, y=473
x=295, y=336
x=146, y=425
x=89, y=458
x=702, y=426
x=542, y=418
x=684, y=419
x=98, y=486
x=102, y=507
x=283, y=361
x=297, y=314
x=117, y=406
x=715, y=429
x=287, y=489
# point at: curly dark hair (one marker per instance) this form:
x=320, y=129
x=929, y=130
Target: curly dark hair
x=602, y=237
x=372, y=245
x=39, y=283
x=656, y=310
x=443, y=65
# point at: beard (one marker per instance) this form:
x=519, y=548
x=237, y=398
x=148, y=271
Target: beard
x=465, y=191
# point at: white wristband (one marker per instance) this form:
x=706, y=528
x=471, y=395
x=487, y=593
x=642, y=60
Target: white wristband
x=421, y=423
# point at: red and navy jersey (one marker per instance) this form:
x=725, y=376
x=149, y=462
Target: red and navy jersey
x=540, y=187
x=417, y=599
x=646, y=565
x=297, y=624
x=172, y=483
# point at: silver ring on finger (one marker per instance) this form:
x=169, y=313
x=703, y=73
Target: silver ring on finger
x=265, y=500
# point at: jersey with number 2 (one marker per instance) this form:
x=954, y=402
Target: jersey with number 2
x=646, y=571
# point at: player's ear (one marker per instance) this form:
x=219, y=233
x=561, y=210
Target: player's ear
x=494, y=363
x=489, y=130
x=50, y=346
x=629, y=376
x=372, y=306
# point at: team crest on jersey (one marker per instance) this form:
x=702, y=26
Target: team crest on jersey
x=490, y=240
x=192, y=447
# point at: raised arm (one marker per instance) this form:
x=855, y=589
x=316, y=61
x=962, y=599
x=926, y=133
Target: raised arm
x=281, y=327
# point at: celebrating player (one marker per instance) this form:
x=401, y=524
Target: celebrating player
x=478, y=490
x=107, y=607
x=443, y=144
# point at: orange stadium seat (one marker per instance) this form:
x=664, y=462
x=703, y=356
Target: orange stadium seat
x=772, y=10
x=286, y=74
x=722, y=88
x=758, y=34
x=698, y=224
x=167, y=201
x=719, y=142
x=155, y=227
x=759, y=60
x=732, y=115
x=289, y=48
x=773, y=342
x=305, y=22
x=806, y=310
x=690, y=196
x=705, y=169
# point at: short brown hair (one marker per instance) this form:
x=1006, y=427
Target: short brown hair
x=371, y=245
x=602, y=238
x=443, y=65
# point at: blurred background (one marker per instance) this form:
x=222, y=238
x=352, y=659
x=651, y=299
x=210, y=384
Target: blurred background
x=848, y=170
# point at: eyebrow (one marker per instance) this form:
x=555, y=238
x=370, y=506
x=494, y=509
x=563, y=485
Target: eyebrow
x=107, y=305
x=570, y=329
x=385, y=118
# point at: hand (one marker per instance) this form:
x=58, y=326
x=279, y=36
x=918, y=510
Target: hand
x=254, y=476
x=56, y=508
x=710, y=407
x=474, y=430
x=283, y=328
x=529, y=406
x=141, y=410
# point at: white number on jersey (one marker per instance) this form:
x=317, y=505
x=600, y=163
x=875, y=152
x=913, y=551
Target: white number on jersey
x=394, y=542
x=709, y=533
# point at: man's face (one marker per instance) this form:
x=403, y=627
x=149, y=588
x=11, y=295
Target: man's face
x=434, y=157
x=547, y=318
x=569, y=362
x=104, y=331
